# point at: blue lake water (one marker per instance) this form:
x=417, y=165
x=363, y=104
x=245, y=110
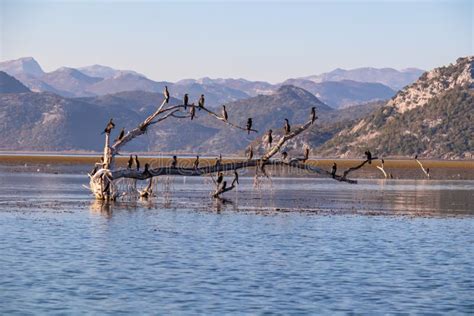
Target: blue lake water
x=294, y=246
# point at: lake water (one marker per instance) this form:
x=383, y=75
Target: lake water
x=293, y=246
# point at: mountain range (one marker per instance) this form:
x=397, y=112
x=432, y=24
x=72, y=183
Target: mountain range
x=355, y=87
x=431, y=117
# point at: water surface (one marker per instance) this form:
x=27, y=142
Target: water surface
x=294, y=246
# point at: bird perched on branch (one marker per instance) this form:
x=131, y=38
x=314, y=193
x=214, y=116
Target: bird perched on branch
x=306, y=153
x=174, y=162
x=333, y=170
x=368, y=154
x=416, y=157
x=130, y=162
x=109, y=127
x=269, y=138
x=250, y=153
x=185, y=100
x=287, y=127
x=201, y=102
x=220, y=177
x=313, y=114
x=383, y=161
x=224, y=113
x=236, y=178
x=192, y=112
x=284, y=155
x=249, y=125
x=121, y=135
x=137, y=163
x=196, y=163
x=224, y=186
x=146, y=171
x=166, y=93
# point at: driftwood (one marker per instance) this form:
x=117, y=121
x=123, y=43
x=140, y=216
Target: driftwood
x=381, y=168
x=425, y=171
x=102, y=181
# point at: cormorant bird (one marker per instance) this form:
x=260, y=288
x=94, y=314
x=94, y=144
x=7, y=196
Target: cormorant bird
x=383, y=161
x=416, y=157
x=250, y=153
x=192, y=111
x=122, y=134
x=185, y=100
x=174, y=162
x=270, y=137
x=224, y=113
x=313, y=114
x=224, y=185
x=249, y=125
x=284, y=155
x=369, y=156
x=201, y=102
x=287, y=127
x=236, y=178
x=220, y=177
x=137, y=163
x=306, y=154
x=333, y=170
x=196, y=163
x=166, y=93
x=130, y=162
x=109, y=127
x=218, y=162
x=146, y=172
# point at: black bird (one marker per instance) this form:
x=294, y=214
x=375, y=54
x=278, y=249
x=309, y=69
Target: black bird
x=428, y=171
x=109, y=127
x=218, y=161
x=137, y=163
x=224, y=113
x=196, y=163
x=270, y=137
x=249, y=125
x=201, y=102
x=220, y=177
x=333, y=170
x=122, y=134
x=313, y=114
x=369, y=156
x=166, y=93
x=192, y=111
x=174, y=162
x=287, y=127
x=224, y=185
x=284, y=155
x=383, y=161
x=416, y=157
x=185, y=100
x=236, y=178
x=306, y=154
x=130, y=162
x=146, y=172
x=250, y=153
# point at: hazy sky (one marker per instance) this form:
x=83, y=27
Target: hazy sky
x=255, y=40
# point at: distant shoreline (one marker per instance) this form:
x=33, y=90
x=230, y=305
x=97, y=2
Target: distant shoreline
x=79, y=159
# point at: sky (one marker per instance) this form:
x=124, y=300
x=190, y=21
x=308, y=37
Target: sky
x=265, y=40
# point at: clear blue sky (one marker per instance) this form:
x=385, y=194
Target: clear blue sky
x=256, y=40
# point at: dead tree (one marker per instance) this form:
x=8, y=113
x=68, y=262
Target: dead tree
x=426, y=171
x=102, y=181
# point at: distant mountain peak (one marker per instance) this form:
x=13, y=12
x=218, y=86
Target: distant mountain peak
x=434, y=83
x=23, y=65
x=105, y=72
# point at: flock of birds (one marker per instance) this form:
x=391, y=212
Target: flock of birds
x=268, y=140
